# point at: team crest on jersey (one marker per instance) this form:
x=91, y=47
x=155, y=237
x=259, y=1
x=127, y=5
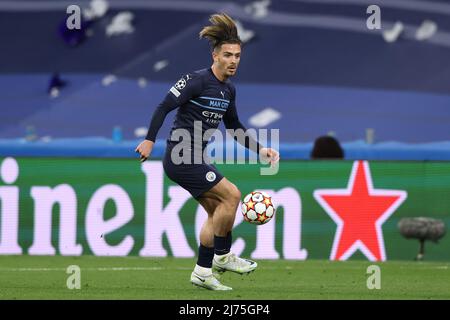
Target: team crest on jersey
x=210, y=176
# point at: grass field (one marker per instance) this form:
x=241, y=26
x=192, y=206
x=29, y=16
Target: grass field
x=39, y=277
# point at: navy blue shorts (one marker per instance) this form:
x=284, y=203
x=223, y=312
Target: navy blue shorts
x=195, y=178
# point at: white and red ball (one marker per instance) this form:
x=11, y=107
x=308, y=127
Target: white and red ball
x=258, y=207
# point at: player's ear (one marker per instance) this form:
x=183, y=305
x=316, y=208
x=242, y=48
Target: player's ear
x=216, y=52
x=215, y=55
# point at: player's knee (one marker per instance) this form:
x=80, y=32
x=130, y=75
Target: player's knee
x=234, y=194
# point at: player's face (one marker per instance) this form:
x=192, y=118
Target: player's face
x=227, y=59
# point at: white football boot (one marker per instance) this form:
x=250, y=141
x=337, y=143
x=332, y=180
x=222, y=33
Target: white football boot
x=209, y=282
x=230, y=262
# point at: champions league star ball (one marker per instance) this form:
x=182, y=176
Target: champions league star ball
x=258, y=208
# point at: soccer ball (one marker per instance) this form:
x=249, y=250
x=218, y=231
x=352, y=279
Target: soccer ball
x=258, y=208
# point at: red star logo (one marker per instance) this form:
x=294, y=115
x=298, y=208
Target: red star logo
x=359, y=212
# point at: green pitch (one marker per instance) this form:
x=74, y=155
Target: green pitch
x=31, y=277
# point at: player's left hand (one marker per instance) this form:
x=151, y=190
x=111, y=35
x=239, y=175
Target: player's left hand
x=271, y=155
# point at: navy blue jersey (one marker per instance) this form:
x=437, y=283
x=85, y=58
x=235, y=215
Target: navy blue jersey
x=200, y=96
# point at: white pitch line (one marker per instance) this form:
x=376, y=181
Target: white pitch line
x=30, y=269
x=86, y=269
x=156, y=269
x=113, y=269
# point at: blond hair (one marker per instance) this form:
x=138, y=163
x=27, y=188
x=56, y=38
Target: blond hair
x=222, y=30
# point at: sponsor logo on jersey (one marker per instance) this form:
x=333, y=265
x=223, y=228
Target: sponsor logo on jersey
x=213, y=115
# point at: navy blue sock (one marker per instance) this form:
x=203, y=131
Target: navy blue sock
x=229, y=240
x=205, y=256
x=221, y=245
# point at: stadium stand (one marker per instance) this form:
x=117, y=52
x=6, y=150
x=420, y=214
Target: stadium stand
x=312, y=66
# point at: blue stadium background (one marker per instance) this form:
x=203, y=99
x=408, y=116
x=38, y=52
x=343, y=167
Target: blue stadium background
x=313, y=61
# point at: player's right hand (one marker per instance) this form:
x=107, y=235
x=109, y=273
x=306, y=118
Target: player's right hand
x=144, y=149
